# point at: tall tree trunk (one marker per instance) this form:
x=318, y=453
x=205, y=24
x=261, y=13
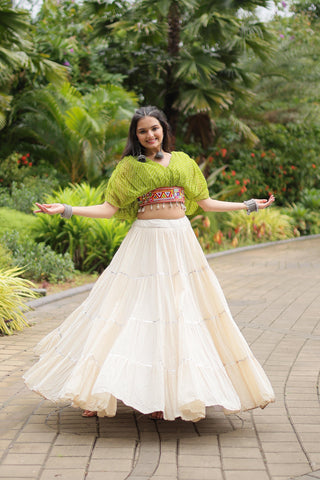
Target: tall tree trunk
x=172, y=86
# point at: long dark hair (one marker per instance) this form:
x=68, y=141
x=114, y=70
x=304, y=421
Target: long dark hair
x=133, y=146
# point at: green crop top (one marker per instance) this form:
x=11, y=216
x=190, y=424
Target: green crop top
x=131, y=179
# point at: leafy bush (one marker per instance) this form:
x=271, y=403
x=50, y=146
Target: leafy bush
x=13, y=292
x=81, y=237
x=23, y=196
x=39, y=261
x=285, y=163
x=5, y=257
x=14, y=220
x=231, y=229
x=266, y=225
x=305, y=215
x=103, y=241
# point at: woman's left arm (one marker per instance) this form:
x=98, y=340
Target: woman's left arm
x=211, y=205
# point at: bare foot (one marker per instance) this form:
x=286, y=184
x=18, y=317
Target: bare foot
x=157, y=415
x=89, y=413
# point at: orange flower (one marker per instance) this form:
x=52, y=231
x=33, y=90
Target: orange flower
x=206, y=222
x=223, y=152
x=217, y=237
x=252, y=155
x=233, y=172
x=238, y=182
x=235, y=242
x=263, y=154
x=313, y=165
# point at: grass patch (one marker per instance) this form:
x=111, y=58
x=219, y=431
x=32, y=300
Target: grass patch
x=14, y=220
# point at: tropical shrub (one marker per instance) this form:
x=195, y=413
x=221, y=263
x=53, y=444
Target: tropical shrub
x=81, y=236
x=13, y=292
x=285, y=163
x=38, y=261
x=232, y=229
x=73, y=130
x=15, y=220
x=14, y=168
x=305, y=215
x=103, y=240
x=23, y=197
x=264, y=226
x=5, y=257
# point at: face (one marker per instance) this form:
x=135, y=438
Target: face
x=150, y=133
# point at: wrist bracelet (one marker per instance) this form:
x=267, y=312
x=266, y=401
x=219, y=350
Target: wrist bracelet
x=67, y=213
x=251, y=205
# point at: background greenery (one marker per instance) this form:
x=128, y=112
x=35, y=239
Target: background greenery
x=242, y=96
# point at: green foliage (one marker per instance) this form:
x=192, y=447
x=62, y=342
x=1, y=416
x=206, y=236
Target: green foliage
x=305, y=215
x=190, y=50
x=18, y=56
x=5, y=257
x=14, y=220
x=285, y=163
x=90, y=242
x=14, y=168
x=13, y=293
x=38, y=261
x=64, y=33
x=232, y=229
x=267, y=225
x=104, y=240
x=73, y=130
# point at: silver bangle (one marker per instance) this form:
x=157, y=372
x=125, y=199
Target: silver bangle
x=252, y=206
x=67, y=213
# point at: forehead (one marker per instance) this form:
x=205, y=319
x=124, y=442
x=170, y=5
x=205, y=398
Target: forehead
x=147, y=122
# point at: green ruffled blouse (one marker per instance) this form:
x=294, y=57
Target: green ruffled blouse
x=131, y=179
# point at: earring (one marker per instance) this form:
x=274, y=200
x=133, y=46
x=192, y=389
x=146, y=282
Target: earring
x=159, y=155
x=141, y=157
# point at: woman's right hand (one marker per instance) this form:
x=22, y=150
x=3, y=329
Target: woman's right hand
x=50, y=208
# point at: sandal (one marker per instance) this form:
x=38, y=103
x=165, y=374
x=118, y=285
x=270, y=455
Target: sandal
x=156, y=415
x=89, y=413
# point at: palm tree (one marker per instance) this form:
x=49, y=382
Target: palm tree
x=188, y=51
x=72, y=130
x=17, y=54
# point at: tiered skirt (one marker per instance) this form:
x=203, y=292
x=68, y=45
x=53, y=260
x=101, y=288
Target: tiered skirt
x=155, y=332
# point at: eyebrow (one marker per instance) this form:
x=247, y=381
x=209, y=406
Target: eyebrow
x=144, y=128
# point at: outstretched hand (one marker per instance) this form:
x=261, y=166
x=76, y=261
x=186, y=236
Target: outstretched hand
x=50, y=208
x=264, y=203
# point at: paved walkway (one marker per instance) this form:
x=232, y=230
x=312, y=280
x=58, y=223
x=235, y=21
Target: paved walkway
x=274, y=294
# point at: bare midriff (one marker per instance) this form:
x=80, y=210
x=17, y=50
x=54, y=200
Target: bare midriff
x=165, y=211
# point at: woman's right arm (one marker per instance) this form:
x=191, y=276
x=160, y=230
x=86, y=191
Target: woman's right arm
x=105, y=210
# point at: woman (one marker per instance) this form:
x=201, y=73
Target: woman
x=155, y=331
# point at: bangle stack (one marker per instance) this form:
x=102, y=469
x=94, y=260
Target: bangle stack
x=252, y=206
x=67, y=213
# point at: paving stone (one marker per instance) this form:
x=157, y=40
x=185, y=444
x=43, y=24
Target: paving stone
x=243, y=464
x=289, y=468
x=199, y=473
x=24, y=471
x=111, y=476
x=24, y=459
x=69, y=474
x=66, y=462
x=167, y=469
x=109, y=465
x=252, y=475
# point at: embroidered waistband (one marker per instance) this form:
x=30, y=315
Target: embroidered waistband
x=162, y=195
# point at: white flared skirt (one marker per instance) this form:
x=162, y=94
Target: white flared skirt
x=155, y=332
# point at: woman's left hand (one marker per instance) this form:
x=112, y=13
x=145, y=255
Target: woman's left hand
x=264, y=203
